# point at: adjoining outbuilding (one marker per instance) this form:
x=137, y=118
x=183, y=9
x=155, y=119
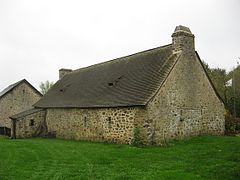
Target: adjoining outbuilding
x=16, y=98
x=29, y=123
x=163, y=92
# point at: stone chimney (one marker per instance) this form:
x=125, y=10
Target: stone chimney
x=183, y=40
x=63, y=72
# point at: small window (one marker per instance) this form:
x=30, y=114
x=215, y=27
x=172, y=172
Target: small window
x=31, y=122
x=85, y=121
x=109, y=121
x=110, y=84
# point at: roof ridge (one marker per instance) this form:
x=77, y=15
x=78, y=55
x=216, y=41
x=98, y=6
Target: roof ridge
x=10, y=87
x=94, y=86
x=14, y=85
x=119, y=58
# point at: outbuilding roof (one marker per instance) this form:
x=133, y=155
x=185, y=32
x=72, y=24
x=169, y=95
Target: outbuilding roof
x=127, y=81
x=25, y=113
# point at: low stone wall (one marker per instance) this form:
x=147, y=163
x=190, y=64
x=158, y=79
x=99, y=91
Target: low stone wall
x=32, y=125
x=95, y=124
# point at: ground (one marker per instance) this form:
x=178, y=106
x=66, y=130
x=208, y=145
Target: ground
x=196, y=158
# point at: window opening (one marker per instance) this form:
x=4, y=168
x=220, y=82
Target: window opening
x=85, y=121
x=31, y=122
x=109, y=122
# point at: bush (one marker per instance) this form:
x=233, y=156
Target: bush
x=232, y=125
x=136, y=138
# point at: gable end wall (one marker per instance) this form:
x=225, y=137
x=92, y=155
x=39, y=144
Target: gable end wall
x=19, y=99
x=186, y=105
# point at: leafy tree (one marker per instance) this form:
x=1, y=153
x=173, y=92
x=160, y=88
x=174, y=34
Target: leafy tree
x=45, y=86
x=218, y=77
x=233, y=92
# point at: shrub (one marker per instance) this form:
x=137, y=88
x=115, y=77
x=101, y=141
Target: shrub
x=136, y=138
x=232, y=125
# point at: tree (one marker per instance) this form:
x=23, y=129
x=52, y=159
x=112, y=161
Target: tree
x=45, y=86
x=218, y=77
x=233, y=92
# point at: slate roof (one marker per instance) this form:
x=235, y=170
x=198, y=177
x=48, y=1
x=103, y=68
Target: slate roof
x=25, y=113
x=9, y=88
x=12, y=86
x=127, y=81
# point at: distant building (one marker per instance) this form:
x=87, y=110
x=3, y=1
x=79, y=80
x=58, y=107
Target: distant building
x=164, y=92
x=16, y=98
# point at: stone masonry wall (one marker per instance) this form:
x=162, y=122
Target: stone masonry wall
x=32, y=125
x=16, y=101
x=96, y=124
x=186, y=105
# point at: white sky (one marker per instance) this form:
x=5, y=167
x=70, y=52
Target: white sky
x=38, y=37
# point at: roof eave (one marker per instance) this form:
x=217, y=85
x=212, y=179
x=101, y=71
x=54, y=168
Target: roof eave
x=89, y=107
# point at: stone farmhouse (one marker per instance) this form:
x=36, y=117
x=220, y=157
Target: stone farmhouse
x=163, y=92
x=14, y=99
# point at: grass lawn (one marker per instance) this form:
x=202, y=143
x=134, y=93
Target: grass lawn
x=196, y=158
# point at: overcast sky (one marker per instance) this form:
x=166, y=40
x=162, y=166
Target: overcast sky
x=37, y=38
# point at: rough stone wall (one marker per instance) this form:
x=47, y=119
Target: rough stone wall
x=96, y=124
x=18, y=100
x=144, y=124
x=186, y=104
x=32, y=125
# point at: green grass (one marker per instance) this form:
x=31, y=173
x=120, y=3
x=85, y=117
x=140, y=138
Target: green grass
x=196, y=158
